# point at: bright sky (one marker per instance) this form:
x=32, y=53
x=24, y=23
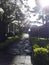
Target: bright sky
x=44, y=3
x=31, y=3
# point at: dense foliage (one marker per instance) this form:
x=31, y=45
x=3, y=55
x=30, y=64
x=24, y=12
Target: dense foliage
x=40, y=50
x=41, y=56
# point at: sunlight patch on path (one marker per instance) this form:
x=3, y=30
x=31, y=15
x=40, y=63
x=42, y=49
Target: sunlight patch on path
x=22, y=60
x=25, y=36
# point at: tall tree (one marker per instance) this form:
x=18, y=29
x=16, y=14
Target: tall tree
x=7, y=16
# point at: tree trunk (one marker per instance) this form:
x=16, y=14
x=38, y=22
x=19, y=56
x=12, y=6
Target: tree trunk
x=3, y=31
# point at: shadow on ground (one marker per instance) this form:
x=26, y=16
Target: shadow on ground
x=18, y=47
x=8, y=59
x=5, y=58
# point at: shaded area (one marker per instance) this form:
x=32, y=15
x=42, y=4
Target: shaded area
x=21, y=48
x=5, y=59
x=41, y=31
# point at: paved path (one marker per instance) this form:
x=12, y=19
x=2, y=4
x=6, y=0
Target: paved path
x=22, y=47
x=17, y=54
x=21, y=60
x=7, y=59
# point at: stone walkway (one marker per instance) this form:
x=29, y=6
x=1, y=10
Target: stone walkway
x=21, y=51
x=18, y=53
x=22, y=47
x=21, y=60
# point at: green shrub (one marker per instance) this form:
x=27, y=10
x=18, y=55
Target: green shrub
x=40, y=56
x=47, y=46
x=35, y=46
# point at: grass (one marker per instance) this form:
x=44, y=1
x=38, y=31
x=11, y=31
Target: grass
x=42, y=39
x=8, y=41
x=42, y=42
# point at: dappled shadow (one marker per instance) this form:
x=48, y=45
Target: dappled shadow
x=5, y=57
